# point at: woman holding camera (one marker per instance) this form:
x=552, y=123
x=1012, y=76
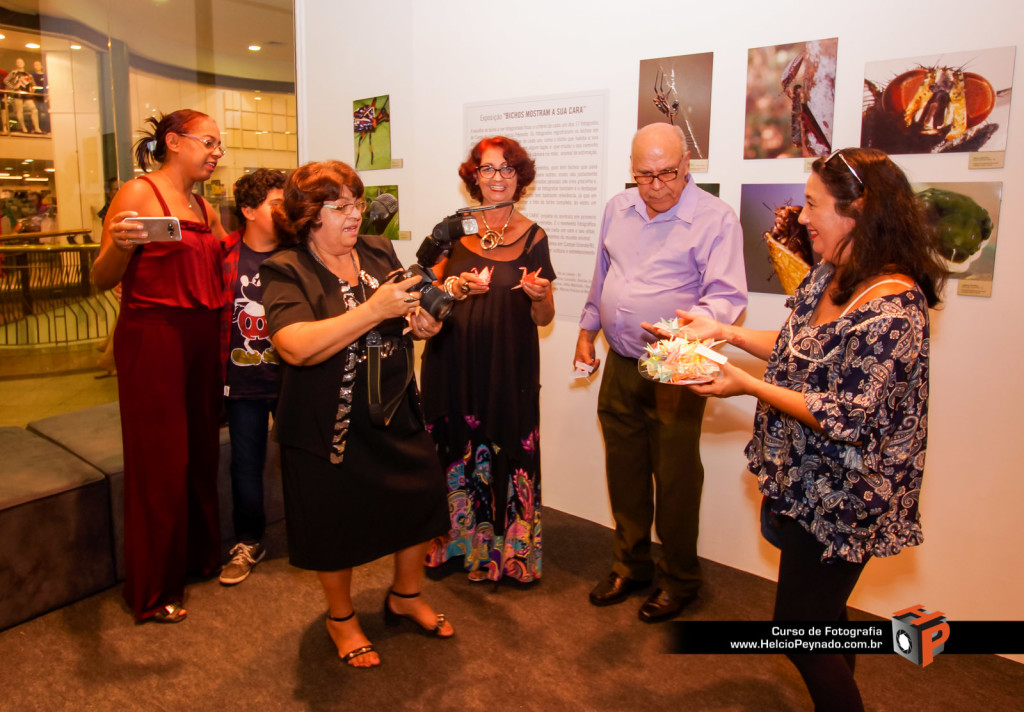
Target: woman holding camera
x=166, y=351
x=481, y=374
x=361, y=479
x=841, y=423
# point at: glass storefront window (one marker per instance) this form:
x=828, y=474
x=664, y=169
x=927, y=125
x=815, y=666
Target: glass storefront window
x=79, y=78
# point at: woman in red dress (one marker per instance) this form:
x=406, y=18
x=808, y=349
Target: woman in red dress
x=167, y=353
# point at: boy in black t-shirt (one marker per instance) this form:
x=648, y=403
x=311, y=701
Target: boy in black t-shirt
x=250, y=376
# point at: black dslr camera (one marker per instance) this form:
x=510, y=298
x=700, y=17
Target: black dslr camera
x=435, y=248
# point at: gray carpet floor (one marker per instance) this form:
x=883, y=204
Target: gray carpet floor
x=261, y=645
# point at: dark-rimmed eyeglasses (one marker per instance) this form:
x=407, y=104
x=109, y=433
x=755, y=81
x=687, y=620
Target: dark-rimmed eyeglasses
x=347, y=208
x=663, y=176
x=487, y=171
x=209, y=144
x=839, y=153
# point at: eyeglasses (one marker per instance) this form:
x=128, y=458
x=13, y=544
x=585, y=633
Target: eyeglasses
x=208, y=143
x=488, y=171
x=839, y=152
x=663, y=176
x=346, y=208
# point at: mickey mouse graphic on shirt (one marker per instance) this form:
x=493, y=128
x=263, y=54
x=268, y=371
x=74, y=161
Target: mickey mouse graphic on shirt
x=251, y=320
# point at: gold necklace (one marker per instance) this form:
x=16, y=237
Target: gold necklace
x=493, y=238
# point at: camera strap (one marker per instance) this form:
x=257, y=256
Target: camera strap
x=381, y=413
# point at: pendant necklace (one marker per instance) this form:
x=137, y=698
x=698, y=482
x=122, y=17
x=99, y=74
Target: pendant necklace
x=187, y=196
x=494, y=238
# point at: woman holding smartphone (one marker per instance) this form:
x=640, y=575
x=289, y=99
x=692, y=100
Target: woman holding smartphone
x=167, y=355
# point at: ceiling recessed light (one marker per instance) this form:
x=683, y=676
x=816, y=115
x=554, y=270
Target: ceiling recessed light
x=76, y=46
x=254, y=48
x=32, y=45
x=3, y=37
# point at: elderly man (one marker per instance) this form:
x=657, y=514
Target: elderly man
x=664, y=245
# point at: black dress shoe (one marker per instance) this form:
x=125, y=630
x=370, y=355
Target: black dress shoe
x=615, y=589
x=662, y=605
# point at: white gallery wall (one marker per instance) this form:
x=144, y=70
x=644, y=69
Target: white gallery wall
x=435, y=57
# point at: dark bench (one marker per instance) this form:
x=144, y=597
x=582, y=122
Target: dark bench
x=94, y=434
x=55, y=527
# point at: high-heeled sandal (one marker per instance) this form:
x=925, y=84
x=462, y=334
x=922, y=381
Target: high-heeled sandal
x=351, y=655
x=172, y=612
x=392, y=618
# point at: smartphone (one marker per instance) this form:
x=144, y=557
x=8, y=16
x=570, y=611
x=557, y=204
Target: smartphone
x=159, y=229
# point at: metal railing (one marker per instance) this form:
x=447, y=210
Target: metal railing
x=46, y=296
x=36, y=238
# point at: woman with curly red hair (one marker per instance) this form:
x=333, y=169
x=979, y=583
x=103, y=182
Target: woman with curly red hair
x=481, y=374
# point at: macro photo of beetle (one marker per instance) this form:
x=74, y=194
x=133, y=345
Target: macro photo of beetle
x=939, y=105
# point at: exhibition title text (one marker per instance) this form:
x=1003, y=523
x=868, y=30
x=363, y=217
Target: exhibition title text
x=532, y=113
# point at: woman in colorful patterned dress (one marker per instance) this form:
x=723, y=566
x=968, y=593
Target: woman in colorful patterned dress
x=481, y=374
x=841, y=423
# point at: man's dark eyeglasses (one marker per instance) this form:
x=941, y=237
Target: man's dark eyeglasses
x=663, y=176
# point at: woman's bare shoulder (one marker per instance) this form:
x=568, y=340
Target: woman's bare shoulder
x=136, y=195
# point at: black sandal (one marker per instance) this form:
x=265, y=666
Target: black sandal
x=351, y=655
x=392, y=618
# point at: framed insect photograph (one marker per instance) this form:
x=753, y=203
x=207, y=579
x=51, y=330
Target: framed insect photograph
x=776, y=249
x=957, y=102
x=381, y=217
x=371, y=126
x=677, y=90
x=966, y=220
x=791, y=92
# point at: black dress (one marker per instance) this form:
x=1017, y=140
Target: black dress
x=481, y=394
x=353, y=491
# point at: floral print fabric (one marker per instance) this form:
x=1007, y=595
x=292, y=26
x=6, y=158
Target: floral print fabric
x=855, y=486
x=498, y=532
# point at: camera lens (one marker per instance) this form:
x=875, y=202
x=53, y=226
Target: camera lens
x=436, y=301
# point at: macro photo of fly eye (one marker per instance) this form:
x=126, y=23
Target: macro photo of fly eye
x=931, y=109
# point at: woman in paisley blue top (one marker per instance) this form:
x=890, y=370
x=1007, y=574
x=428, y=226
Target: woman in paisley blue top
x=841, y=423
